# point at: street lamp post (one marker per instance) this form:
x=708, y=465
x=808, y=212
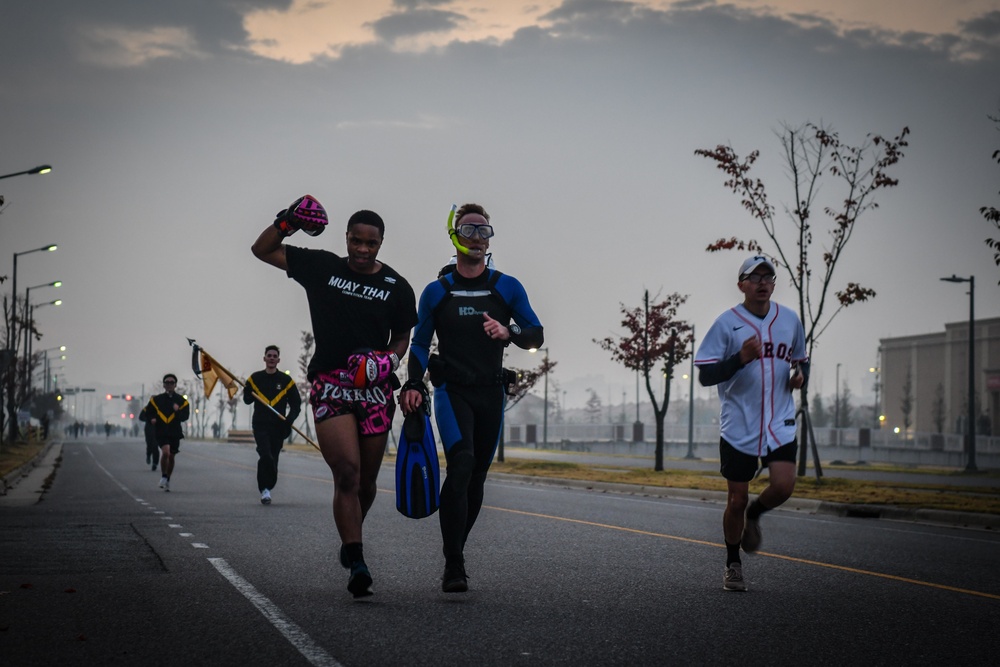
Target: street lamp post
x=29, y=322
x=836, y=408
x=42, y=169
x=12, y=336
x=30, y=351
x=690, y=452
x=45, y=365
x=875, y=411
x=970, y=445
x=545, y=399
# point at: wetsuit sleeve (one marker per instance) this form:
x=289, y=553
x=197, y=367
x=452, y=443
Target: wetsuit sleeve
x=420, y=344
x=532, y=334
x=710, y=375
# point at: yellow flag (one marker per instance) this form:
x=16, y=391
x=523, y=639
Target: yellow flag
x=212, y=372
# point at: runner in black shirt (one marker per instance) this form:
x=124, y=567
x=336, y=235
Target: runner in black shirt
x=362, y=312
x=269, y=430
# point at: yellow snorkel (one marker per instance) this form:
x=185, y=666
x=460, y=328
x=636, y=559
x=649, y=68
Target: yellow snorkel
x=452, y=234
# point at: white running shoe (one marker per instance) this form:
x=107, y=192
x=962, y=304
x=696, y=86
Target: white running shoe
x=265, y=497
x=166, y=486
x=163, y=482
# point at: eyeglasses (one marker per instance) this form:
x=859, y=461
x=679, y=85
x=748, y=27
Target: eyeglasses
x=468, y=231
x=754, y=278
x=169, y=382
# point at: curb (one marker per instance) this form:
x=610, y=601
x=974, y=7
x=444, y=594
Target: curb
x=889, y=513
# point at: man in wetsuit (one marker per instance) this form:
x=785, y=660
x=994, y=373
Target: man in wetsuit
x=476, y=313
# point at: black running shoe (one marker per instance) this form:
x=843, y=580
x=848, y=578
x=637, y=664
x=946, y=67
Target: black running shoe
x=454, y=579
x=360, y=581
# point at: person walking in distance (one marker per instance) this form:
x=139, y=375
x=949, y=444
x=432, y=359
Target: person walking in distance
x=755, y=353
x=279, y=392
x=167, y=411
x=476, y=312
x=362, y=312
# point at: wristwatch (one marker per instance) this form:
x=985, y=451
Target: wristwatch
x=514, y=329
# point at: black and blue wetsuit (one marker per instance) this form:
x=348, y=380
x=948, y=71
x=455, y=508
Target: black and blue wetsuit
x=467, y=374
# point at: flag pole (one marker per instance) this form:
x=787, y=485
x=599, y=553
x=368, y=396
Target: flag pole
x=242, y=385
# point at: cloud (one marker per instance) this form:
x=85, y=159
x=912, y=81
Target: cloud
x=416, y=22
x=116, y=46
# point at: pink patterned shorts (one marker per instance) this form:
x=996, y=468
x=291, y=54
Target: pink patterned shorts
x=373, y=407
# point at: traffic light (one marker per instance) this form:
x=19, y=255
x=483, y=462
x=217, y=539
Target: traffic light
x=109, y=397
x=127, y=397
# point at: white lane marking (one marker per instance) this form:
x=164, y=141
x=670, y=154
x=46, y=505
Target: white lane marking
x=185, y=534
x=199, y=545
x=302, y=642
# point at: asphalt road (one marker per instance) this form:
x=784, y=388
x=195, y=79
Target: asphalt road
x=105, y=568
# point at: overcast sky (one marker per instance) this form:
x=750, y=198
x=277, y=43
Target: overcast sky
x=177, y=129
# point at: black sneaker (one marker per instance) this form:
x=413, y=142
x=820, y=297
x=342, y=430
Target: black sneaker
x=454, y=579
x=359, y=584
x=752, y=537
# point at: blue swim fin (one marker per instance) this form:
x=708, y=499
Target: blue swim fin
x=418, y=475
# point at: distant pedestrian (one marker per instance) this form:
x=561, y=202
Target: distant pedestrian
x=756, y=353
x=152, y=449
x=167, y=411
x=279, y=392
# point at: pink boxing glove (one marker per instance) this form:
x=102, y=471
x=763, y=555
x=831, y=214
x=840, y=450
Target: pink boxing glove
x=369, y=369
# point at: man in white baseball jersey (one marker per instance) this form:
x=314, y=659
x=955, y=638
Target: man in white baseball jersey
x=755, y=353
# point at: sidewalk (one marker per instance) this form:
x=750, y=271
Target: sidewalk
x=26, y=484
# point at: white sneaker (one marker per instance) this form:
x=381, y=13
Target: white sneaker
x=163, y=482
x=265, y=497
x=166, y=486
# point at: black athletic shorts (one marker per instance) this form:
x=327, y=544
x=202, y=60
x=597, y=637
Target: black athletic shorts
x=739, y=467
x=173, y=441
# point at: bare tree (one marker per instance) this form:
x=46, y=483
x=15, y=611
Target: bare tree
x=906, y=402
x=938, y=408
x=812, y=152
x=655, y=336
x=527, y=378
x=593, y=407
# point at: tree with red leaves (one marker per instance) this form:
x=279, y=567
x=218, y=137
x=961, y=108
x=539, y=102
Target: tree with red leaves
x=812, y=152
x=655, y=337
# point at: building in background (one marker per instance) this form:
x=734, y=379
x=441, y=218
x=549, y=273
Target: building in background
x=924, y=379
